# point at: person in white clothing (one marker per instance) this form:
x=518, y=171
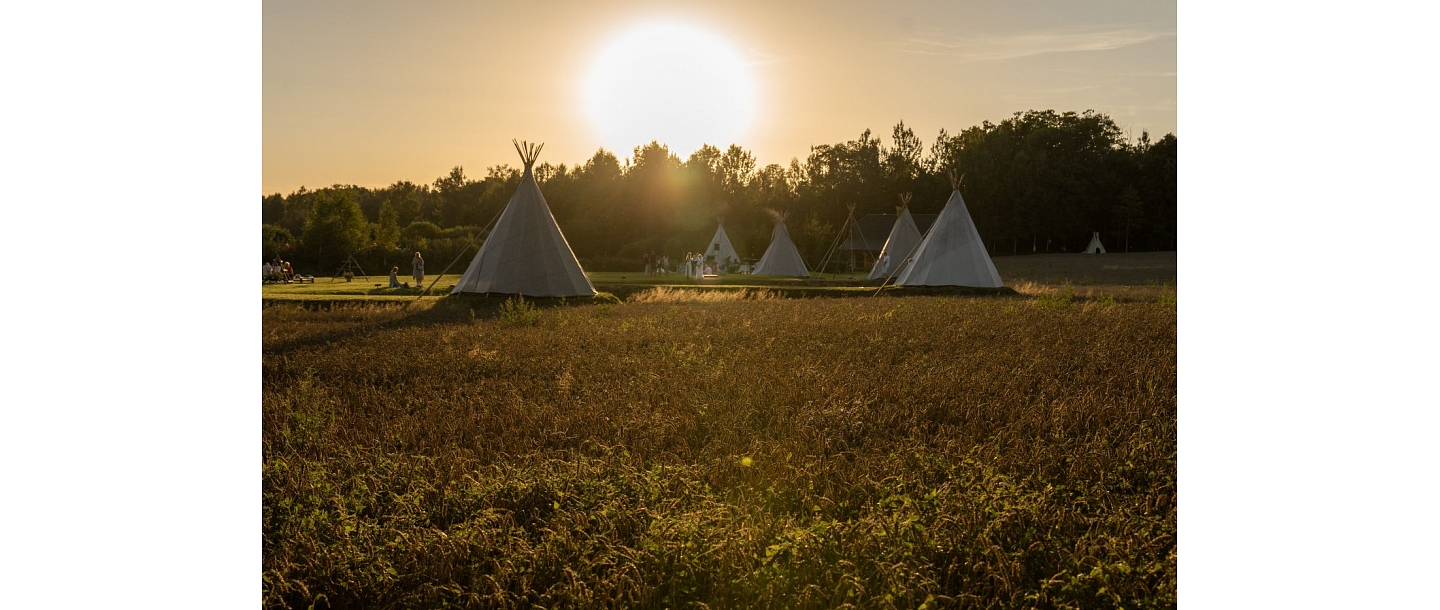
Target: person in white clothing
x=417, y=268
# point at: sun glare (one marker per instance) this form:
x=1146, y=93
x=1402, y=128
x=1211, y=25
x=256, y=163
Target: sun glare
x=677, y=84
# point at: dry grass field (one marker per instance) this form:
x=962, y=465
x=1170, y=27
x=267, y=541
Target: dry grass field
x=727, y=450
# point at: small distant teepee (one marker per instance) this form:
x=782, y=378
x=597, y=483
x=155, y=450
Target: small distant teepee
x=904, y=236
x=781, y=258
x=951, y=253
x=721, y=250
x=1095, y=246
x=526, y=254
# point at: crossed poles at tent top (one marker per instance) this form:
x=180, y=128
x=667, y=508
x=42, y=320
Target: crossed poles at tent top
x=851, y=221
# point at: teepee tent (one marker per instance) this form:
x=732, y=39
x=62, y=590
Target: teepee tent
x=904, y=236
x=951, y=254
x=526, y=253
x=781, y=258
x=721, y=250
x=1095, y=246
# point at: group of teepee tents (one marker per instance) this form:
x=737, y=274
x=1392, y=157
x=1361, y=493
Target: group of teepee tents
x=951, y=254
x=527, y=254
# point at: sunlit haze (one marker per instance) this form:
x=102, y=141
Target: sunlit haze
x=371, y=93
x=670, y=82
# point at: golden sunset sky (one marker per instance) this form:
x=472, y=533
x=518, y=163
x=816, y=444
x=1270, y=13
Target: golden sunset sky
x=370, y=93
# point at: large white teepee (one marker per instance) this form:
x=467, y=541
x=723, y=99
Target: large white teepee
x=721, y=250
x=904, y=236
x=781, y=258
x=951, y=253
x=526, y=253
x=1095, y=246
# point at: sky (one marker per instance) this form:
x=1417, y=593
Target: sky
x=371, y=93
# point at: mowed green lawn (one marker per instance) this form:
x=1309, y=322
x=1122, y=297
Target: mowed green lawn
x=1118, y=274
x=729, y=448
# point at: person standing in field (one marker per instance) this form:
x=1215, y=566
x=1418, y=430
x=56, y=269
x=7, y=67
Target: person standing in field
x=417, y=268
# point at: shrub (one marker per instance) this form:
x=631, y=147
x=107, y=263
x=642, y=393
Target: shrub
x=516, y=312
x=1167, y=297
x=1064, y=298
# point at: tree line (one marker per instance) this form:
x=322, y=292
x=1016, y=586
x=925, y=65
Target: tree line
x=1039, y=181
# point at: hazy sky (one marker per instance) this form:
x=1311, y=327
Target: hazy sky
x=371, y=93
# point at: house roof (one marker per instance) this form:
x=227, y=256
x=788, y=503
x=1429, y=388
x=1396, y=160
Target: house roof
x=871, y=230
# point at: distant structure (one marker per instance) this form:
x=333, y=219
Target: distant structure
x=951, y=254
x=904, y=236
x=1095, y=246
x=781, y=258
x=721, y=250
x=526, y=254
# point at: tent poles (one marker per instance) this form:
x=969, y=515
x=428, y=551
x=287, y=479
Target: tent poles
x=457, y=257
x=836, y=244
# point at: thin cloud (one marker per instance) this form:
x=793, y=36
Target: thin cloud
x=756, y=57
x=1141, y=73
x=993, y=47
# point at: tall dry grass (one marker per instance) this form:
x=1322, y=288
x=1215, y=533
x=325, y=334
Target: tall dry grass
x=888, y=452
x=666, y=294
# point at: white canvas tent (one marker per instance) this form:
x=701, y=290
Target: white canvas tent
x=526, y=253
x=781, y=258
x=904, y=236
x=951, y=254
x=1095, y=246
x=721, y=250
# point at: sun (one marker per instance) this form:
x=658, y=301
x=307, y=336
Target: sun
x=670, y=82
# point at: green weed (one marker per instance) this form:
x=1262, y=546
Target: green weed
x=515, y=311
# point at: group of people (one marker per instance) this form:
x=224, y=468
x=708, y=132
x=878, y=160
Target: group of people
x=697, y=267
x=279, y=271
x=656, y=265
x=417, y=270
x=694, y=264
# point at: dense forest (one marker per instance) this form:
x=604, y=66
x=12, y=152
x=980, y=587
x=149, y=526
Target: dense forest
x=1039, y=181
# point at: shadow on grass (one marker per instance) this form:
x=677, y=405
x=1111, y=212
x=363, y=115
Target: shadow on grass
x=963, y=291
x=450, y=309
x=819, y=289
